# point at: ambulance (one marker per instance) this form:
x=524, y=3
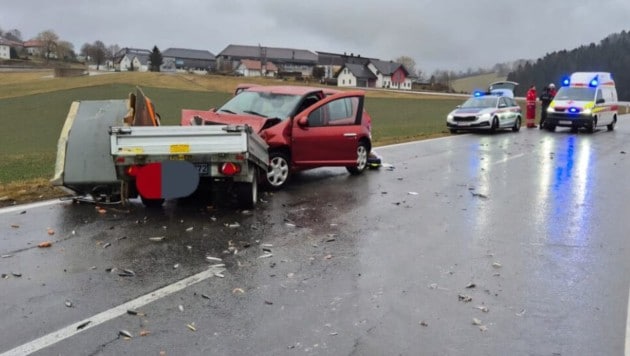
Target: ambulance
x=585, y=100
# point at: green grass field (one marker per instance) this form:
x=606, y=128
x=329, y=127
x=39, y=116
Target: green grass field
x=31, y=123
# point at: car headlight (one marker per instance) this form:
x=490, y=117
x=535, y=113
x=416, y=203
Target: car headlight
x=449, y=117
x=484, y=117
x=550, y=109
x=586, y=112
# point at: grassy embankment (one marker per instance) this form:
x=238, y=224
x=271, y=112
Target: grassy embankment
x=33, y=107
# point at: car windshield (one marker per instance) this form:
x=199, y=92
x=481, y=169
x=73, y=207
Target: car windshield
x=481, y=102
x=263, y=104
x=576, y=93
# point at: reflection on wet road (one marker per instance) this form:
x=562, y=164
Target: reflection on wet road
x=468, y=245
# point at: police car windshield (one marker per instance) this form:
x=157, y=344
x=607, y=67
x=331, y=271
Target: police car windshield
x=262, y=104
x=481, y=102
x=576, y=93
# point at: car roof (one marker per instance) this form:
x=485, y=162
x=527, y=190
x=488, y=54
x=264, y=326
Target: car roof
x=285, y=89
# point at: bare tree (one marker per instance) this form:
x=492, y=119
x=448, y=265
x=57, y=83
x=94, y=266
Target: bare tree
x=112, y=51
x=14, y=35
x=65, y=50
x=408, y=62
x=99, y=53
x=49, y=41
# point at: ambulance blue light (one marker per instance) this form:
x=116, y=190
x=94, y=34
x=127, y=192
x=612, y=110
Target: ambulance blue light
x=574, y=110
x=566, y=82
x=593, y=82
x=477, y=94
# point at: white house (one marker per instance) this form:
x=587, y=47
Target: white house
x=132, y=59
x=5, y=49
x=390, y=75
x=253, y=68
x=355, y=75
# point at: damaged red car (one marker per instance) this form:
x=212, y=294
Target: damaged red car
x=305, y=127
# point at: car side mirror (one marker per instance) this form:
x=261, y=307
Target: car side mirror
x=600, y=101
x=303, y=121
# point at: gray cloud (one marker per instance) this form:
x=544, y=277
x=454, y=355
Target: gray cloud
x=446, y=34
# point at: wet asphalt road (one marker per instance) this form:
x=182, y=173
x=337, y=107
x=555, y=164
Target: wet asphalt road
x=524, y=234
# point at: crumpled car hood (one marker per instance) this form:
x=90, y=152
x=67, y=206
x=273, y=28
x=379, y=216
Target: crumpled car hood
x=201, y=117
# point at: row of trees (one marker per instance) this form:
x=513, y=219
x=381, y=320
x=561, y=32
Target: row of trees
x=52, y=45
x=612, y=55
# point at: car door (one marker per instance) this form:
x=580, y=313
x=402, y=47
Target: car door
x=328, y=132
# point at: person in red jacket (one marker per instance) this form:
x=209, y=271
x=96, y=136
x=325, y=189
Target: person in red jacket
x=530, y=114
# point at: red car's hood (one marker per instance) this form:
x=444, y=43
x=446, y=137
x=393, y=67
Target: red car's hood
x=211, y=117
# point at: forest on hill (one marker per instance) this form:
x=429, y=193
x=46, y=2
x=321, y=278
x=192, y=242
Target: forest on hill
x=612, y=54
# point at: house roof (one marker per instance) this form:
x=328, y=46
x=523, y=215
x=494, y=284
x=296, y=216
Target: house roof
x=33, y=43
x=388, y=68
x=359, y=71
x=185, y=53
x=253, y=65
x=282, y=54
x=8, y=42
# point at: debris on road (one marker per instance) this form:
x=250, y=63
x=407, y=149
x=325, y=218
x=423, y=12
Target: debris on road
x=15, y=226
x=496, y=265
x=145, y=333
x=126, y=273
x=210, y=258
x=180, y=307
x=268, y=302
x=135, y=312
x=157, y=238
x=483, y=328
x=238, y=291
x=125, y=333
x=412, y=193
x=69, y=304
x=190, y=229
x=521, y=313
x=16, y=274
x=7, y=256
x=83, y=325
x=204, y=296
x=424, y=323
x=464, y=298
x=107, y=245
x=476, y=321
x=191, y=326
x=50, y=231
x=234, y=225
x=44, y=244
x=483, y=308
x=176, y=266
x=266, y=255
x=471, y=285
x=479, y=195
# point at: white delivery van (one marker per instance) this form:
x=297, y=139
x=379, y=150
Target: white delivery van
x=585, y=99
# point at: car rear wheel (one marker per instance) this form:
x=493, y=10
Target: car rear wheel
x=611, y=126
x=517, y=125
x=362, y=155
x=278, y=170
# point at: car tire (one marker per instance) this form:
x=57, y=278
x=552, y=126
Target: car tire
x=453, y=131
x=247, y=193
x=593, y=126
x=362, y=155
x=495, y=125
x=550, y=128
x=278, y=172
x=517, y=124
x=611, y=126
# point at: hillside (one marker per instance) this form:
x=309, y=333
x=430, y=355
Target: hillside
x=612, y=54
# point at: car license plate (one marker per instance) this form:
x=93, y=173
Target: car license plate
x=463, y=123
x=202, y=168
x=564, y=122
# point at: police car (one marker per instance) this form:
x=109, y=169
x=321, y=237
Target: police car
x=489, y=111
x=585, y=100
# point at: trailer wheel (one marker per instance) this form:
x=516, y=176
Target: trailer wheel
x=152, y=203
x=247, y=193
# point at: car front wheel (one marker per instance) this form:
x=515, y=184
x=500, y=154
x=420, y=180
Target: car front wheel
x=362, y=155
x=517, y=125
x=278, y=170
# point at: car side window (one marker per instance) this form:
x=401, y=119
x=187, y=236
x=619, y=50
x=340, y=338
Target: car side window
x=342, y=111
x=502, y=102
x=316, y=118
x=599, y=95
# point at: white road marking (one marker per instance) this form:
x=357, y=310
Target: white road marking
x=29, y=206
x=508, y=158
x=110, y=314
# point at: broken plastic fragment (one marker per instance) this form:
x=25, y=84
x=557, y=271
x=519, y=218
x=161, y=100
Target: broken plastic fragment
x=521, y=313
x=68, y=304
x=15, y=226
x=44, y=244
x=483, y=308
x=496, y=265
x=50, y=231
x=16, y=274
x=189, y=229
x=191, y=326
x=210, y=258
x=464, y=298
x=471, y=285
x=266, y=255
x=238, y=291
x=144, y=333
x=125, y=333
x=107, y=245
x=483, y=328
x=476, y=321
x=424, y=323
x=157, y=238
x=83, y=325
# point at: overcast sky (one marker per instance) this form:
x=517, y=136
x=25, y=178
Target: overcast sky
x=437, y=34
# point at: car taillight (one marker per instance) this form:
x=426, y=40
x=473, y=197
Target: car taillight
x=230, y=169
